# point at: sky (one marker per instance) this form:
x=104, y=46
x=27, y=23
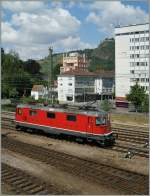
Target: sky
x=31, y=27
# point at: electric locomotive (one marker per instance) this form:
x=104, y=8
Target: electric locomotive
x=85, y=123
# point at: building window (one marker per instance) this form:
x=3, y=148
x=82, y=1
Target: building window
x=137, y=63
x=132, y=79
x=50, y=115
x=142, y=39
x=142, y=63
x=142, y=79
x=71, y=117
x=69, y=98
x=147, y=79
x=70, y=84
x=61, y=84
x=32, y=112
x=131, y=64
x=136, y=39
x=132, y=56
x=132, y=71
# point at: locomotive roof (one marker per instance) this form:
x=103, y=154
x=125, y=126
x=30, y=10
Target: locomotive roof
x=61, y=109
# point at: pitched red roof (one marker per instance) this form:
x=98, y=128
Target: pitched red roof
x=37, y=87
x=99, y=73
x=78, y=73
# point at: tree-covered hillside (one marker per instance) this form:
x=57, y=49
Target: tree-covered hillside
x=102, y=57
x=45, y=63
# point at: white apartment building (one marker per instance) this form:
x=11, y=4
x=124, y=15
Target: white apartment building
x=131, y=58
x=73, y=85
x=74, y=61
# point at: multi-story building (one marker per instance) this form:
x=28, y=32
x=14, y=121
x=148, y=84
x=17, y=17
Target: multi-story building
x=74, y=86
x=131, y=59
x=74, y=61
x=104, y=82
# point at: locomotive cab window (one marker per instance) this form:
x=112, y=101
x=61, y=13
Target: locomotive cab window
x=32, y=112
x=71, y=118
x=19, y=111
x=100, y=121
x=50, y=115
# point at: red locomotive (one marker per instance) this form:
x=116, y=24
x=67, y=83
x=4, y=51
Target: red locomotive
x=81, y=123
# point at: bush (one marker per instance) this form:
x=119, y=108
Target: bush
x=8, y=107
x=145, y=104
x=106, y=105
x=27, y=99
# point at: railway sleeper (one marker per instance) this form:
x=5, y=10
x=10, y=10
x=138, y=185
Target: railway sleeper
x=9, y=176
x=22, y=184
x=28, y=188
x=37, y=189
x=15, y=179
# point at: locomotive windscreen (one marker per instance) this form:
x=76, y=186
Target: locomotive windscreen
x=101, y=120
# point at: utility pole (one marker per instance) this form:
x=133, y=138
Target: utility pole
x=50, y=77
x=84, y=95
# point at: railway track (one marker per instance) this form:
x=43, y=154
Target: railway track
x=130, y=127
x=139, y=151
x=128, y=182
x=8, y=113
x=133, y=150
x=132, y=137
x=25, y=184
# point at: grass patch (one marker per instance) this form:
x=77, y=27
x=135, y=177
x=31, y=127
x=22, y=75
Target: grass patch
x=8, y=107
x=140, y=119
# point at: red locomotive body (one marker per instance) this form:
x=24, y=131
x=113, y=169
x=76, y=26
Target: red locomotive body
x=88, y=124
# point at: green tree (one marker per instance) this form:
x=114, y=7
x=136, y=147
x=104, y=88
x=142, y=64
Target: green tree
x=56, y=70
x=15, y=81
x=136, y=96
x=13, y=93
x=145, y=104
x=106, y=105
x=31, y=66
